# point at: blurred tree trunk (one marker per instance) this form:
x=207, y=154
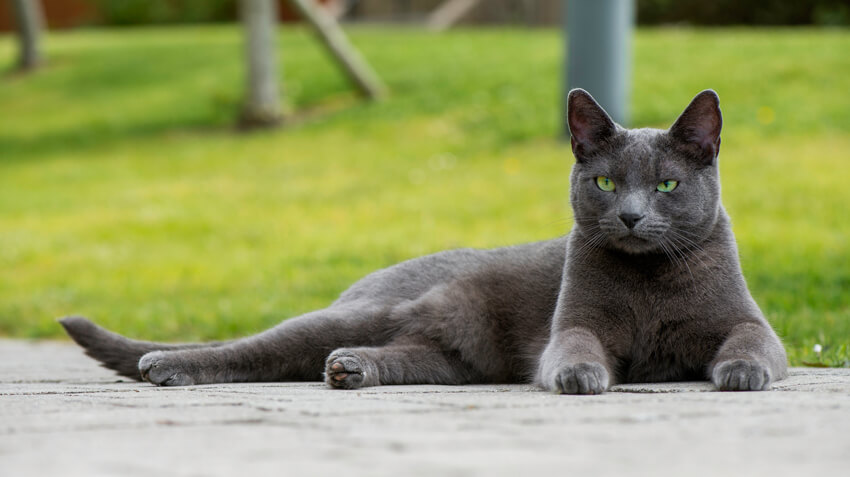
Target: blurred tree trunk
x=448, y=13
x=29, y=19
x=262, y=99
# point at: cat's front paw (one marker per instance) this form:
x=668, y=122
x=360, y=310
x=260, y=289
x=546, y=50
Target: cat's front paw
x=741, y=375
x=158, y=368
x=580, y=378
x=347, y=369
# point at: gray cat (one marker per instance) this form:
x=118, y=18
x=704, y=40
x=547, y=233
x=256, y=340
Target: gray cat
x=646, y=287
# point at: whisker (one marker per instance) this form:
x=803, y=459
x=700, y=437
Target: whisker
x=591, y=243
x=681, y=256
x=666, y=252
x=685, y=233
x=695, y=250
x=681, y=234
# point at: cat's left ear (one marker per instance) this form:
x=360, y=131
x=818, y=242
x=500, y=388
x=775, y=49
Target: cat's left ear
x=698, y=127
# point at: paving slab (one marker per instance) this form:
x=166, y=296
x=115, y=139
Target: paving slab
x=61, y=414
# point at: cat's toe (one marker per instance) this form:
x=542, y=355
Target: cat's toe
x=157, y=368
x=347, y=370
x=741, y=375
x=581, y=378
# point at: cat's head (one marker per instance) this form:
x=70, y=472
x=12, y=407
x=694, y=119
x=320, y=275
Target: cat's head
x=644, y=190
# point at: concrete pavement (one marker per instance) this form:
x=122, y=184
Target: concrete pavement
x=61, y=414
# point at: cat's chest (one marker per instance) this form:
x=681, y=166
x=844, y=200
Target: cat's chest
x=673, y=335
x=673, y=331
x=659, y=322
x=669, y=349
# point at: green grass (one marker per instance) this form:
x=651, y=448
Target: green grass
x=126, y=196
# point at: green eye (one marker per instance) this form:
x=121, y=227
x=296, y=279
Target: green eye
x=605, y=183
x=667, y=186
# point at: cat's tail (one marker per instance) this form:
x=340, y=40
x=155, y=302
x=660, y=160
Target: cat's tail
x=113, y=350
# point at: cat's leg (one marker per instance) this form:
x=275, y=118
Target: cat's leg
x=395, y=363
x=575, y=362
x=295, y=350
x=750, y=359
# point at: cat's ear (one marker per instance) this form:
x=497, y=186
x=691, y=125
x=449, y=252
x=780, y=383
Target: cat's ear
x=698, y=127
x=590, y=125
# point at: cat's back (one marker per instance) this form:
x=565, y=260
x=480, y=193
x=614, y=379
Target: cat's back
x=530, y=263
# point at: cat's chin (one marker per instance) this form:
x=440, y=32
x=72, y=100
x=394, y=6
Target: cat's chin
x=635, y=245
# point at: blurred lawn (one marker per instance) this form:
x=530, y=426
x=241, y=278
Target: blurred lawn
x=126, y=196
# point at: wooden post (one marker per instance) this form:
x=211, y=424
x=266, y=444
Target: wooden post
x=29, y=18
x=262, y=98
x=449, y=13
x=327, y=29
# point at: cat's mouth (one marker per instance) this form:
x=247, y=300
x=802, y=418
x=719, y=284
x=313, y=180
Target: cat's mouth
x=645, y=238
x=635, y=243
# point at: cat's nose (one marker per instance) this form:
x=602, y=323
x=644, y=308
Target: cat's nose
x=630, y=219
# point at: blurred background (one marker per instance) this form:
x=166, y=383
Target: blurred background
x=202, y=169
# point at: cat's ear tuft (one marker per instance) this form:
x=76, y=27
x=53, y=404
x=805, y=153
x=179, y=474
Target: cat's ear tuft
x=589, y=124
x=698, y=127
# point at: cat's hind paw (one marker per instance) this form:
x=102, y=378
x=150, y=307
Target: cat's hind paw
x=580, y=378
x=741, y=375
x=158, y=368
x=346, y=369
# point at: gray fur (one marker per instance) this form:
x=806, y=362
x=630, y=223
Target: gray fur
x=646, y=287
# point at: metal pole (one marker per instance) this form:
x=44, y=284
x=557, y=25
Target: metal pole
x=598, y=49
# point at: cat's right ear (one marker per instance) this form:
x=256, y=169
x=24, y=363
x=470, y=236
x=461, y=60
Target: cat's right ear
x=590, y=125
